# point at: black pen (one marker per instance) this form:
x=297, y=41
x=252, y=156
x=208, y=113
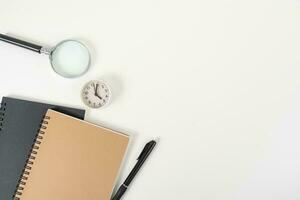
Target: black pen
x=140, y=161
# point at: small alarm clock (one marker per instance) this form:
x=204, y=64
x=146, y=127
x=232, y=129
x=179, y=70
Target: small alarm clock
x=96, y=94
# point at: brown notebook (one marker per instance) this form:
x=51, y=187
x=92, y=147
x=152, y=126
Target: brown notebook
x=72, y=160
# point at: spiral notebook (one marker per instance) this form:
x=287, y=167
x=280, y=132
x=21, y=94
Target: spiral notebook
x=19, y=124
x=72, y=160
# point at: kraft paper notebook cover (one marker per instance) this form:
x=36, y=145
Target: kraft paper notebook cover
x=19, y=124
x=72, y=160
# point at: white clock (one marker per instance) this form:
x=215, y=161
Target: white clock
x=96, y=94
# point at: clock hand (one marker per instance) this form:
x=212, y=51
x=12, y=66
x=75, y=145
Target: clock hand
x=96, y=92
x=98, y=96
x=96, y=89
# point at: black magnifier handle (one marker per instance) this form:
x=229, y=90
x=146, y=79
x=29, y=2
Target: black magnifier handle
x=21, y=43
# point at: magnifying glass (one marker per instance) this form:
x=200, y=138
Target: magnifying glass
x=69, y=58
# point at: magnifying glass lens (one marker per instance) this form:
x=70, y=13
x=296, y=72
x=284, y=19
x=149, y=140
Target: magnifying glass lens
x=70, y=59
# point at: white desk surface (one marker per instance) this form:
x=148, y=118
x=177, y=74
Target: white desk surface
x=217, y=81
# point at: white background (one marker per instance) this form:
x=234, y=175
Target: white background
x=217, y=81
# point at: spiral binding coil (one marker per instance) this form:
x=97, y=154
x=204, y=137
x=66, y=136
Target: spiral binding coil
x=2, y=115
x=31, y=157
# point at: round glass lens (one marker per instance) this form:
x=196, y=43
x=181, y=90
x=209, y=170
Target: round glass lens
x=70, y=59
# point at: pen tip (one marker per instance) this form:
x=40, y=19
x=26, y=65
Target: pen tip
x=156, y=140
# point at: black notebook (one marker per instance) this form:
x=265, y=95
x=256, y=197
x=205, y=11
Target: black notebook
x=20, y=122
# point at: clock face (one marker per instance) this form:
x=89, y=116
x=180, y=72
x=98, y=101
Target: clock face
x=96, y=94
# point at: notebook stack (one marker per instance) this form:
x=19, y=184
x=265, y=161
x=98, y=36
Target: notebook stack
x=47, y=152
